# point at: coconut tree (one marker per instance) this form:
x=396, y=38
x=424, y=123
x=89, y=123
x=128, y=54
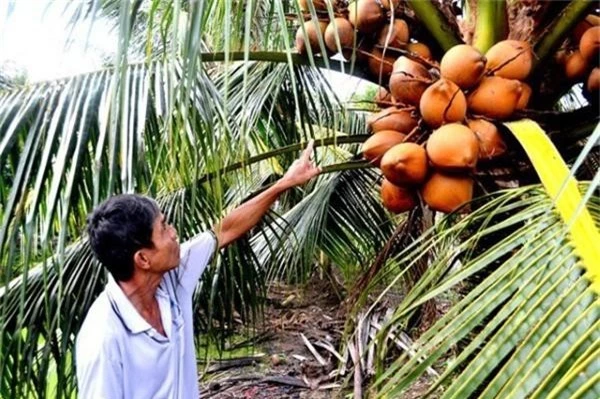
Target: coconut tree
x=207, y=102
x=70, y=143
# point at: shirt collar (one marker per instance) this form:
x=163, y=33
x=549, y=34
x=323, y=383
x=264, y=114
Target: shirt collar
x=124, y=309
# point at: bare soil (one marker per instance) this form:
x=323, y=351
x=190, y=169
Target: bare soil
x=288, y=369
x=284, y=367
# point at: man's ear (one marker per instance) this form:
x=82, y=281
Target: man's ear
x=141, y=259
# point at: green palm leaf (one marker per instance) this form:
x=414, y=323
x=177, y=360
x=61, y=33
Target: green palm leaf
x=70, y=144
x=533, y=311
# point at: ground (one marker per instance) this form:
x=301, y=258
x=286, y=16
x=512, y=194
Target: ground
x=282, y=366
x=285, y=368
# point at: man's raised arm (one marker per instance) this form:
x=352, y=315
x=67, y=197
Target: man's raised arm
x=248, y=214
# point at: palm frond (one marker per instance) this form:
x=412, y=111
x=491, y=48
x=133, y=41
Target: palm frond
x=531, y=301
x=533, y=309
x=69, y=144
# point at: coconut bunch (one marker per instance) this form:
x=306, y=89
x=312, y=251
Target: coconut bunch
x=440, y=117
x=403, y=163
x=384, y=33
x=374, y=32
x=344, y=31
x=321, y=29
x=579, y=57
x=455, y=107
x=312, y=30
x=501, y=89
x=438, y=170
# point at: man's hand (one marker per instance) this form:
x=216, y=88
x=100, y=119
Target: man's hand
x=248, y=214
x=302, y=170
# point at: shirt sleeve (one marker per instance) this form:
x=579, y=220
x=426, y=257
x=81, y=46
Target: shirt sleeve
x=98, y=376
x=196, y=254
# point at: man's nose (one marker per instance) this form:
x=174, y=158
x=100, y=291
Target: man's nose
x=173, y=233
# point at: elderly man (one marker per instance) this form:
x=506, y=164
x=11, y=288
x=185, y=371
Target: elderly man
x=137, y=338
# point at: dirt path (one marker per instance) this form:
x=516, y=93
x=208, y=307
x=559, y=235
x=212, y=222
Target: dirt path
x=288, y=369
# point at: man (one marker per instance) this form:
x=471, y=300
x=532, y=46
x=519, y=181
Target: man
x=137, y=338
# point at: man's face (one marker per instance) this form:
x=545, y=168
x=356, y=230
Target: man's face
x=165, y=254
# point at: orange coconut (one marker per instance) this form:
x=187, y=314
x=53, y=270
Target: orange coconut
x=397, y=38
x=510, y=59
x=392, y=118
x=453, y=147
x=582, y=26
x=575, y=65
x=464, y=65
x=420, y=49
x=397, y=199
x=366, y=15
x=312, y=32
x=381, y=65
x=593, y=81
x=443, y=102
x=525, y=96
x=405, y=164
x=409, y=80
x=589, y=45
x=446, y=193
x=491, y=143
x=375, y=146
x=345, y=32
x=495, y=97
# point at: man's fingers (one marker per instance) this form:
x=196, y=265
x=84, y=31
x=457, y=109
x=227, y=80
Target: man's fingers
x=308, y=151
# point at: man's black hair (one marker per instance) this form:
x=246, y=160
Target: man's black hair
x=118, y=228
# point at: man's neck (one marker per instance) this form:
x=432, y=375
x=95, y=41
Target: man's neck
x=141, y=291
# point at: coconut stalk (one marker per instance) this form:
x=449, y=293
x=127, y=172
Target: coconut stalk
x=556, y=32
x=282, y=57
x=491, y=24
x=434, y=21
x=357, y=164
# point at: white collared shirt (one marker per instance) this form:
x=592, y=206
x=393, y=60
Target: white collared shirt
x=118, y=353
